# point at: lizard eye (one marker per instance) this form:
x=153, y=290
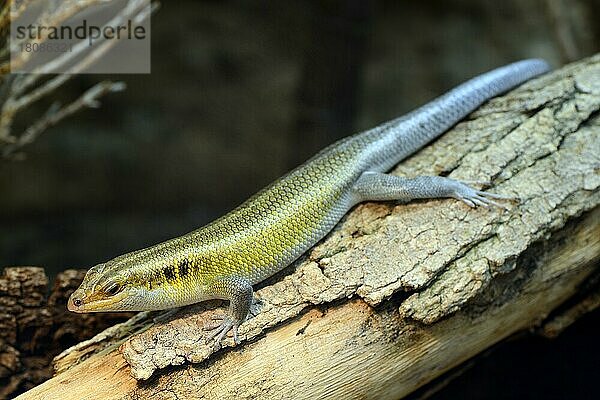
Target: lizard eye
x=112, y=288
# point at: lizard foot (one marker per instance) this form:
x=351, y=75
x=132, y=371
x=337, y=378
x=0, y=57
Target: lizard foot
x=220, y=327
x=473, y=197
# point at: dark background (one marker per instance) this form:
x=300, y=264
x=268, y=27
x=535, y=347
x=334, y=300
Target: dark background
x=240, y=92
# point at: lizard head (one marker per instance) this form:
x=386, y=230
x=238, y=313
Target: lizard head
x=143, y=280
x=109, y=286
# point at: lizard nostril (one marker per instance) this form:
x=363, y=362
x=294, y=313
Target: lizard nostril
x=77, y=302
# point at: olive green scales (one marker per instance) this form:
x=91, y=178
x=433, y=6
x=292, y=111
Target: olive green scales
x=274, y=227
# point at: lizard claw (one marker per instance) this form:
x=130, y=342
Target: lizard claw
x=473, y=197
x=220, y=327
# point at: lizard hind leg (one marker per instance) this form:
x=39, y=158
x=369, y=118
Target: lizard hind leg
x=378, y=186
x=239, y=293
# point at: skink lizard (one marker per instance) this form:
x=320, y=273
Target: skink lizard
x=223, y=259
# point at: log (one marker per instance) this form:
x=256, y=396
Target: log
x=398, y=294
x=35, y=326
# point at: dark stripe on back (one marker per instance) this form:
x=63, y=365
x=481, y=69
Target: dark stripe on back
x=184, y=268
x=169, y=272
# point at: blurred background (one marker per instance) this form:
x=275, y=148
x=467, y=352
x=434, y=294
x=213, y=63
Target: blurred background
x=240, y=92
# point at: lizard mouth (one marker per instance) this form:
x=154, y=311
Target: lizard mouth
x=78, y=303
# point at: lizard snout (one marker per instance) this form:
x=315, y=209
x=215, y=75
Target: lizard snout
x=75, y=301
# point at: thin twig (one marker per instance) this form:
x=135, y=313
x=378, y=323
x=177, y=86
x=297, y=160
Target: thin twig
x=59, y=80
x=17, y=94
x=89, y=99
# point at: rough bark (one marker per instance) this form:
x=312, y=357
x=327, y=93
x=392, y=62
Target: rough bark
x=398, y=294
x=35, y=327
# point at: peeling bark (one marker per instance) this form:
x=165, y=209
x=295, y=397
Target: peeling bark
x=404, y=292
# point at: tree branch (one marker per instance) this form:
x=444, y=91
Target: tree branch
x=56, y=113
x=21, y=91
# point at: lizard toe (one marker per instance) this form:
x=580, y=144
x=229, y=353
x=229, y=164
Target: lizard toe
x=474, y=198
x=219, y=329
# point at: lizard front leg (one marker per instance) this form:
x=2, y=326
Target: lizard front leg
x=239, y=293
x=378, y=186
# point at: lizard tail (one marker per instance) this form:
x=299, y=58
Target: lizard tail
x=409, y=133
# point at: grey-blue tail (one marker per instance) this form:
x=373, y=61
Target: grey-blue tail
x=407, y=134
